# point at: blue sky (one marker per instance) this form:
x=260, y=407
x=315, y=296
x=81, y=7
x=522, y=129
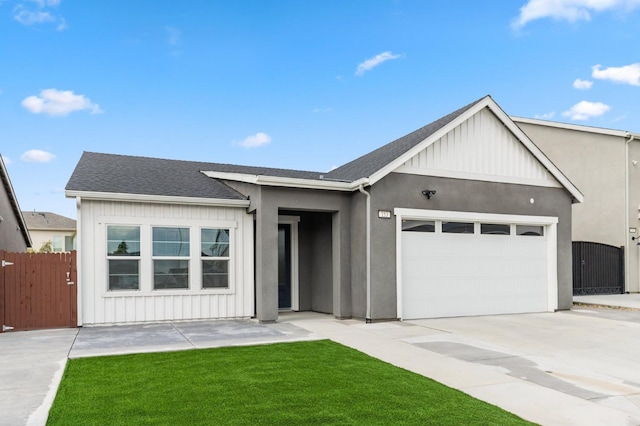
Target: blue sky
x=295, y=84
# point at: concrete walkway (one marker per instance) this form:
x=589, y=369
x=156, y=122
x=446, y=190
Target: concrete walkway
x=628, y=301
x=576, y=367
x=31, y=366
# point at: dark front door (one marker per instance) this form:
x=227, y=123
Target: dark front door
x=284, y=266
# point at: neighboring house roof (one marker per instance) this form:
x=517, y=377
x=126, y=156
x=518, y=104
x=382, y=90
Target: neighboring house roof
x=577, y=127
x=117, y=174
x=13, y=200
x=40, y=221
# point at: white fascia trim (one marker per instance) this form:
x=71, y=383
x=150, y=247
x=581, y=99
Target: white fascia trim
x=418, y=214
x=159, y=199
x=288, y=182
x=577, y=127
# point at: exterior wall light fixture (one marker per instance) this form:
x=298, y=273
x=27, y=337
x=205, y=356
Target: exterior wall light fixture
x=428, y=193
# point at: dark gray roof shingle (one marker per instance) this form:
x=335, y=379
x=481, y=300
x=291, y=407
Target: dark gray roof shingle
x=97, y=172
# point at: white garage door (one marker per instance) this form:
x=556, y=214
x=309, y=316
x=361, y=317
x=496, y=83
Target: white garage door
x=465, y=267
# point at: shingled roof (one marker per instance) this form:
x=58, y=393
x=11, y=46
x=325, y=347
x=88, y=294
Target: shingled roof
x=48, y=220
x=124, y=174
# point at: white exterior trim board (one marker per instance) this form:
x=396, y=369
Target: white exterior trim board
x=577, y=127
x=157, y=199
x=289, y=182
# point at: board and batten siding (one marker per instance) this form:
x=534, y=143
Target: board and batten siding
x=480, y=148
x=100, y=306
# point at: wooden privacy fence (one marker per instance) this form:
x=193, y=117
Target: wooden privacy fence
x=38, y=290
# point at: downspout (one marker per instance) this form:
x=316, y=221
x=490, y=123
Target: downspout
x=626, y=212
x=368, y=252
x=79, y=260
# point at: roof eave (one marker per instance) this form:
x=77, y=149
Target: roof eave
x=13, y=199
x=279, y=181
x=577, y=127
x=157, y=199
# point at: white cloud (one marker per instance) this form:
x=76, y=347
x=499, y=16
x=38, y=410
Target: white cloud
x=45, y=3
x=628, y=74
x=585, y=110
x=28, y=17
x=322, y=109
x=173, y=35
x=375, y=61
x=31, y=12
x=569, y=10
x=37, y=156
x=6, y=160
x=255, y=141
x=582, y=84
x=545, y=115
x=59, y=103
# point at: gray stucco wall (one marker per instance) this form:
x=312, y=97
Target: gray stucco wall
x=595, y=164
x=328, y=247
x=315, y=261
x=11, y=237
x=403, y=190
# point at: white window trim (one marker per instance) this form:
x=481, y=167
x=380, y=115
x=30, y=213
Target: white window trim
x=146, y=260
x=550, y=224
x=228, y=258
x=108, y=257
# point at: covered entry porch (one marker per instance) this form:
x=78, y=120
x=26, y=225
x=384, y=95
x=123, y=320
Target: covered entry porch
x=302, y=253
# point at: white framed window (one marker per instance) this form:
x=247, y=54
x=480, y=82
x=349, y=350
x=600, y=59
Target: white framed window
x=171, y=253
x=215, y=257
x=123, y=257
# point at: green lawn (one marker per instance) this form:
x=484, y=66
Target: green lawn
x=303, y=383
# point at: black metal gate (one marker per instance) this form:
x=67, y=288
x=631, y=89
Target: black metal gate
x=597, y=268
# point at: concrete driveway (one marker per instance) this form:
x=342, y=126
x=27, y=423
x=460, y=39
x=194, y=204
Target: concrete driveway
x=578, y=367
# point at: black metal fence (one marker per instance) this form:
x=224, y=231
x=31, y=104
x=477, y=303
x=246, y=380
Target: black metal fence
x=597, y=268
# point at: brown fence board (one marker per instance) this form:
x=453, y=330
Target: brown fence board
x=35, y=291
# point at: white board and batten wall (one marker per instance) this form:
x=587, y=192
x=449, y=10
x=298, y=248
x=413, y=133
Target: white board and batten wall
x=98, y=305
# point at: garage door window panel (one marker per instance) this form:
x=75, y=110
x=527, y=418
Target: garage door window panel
x=458, y=227
x=495, y=229
x=530, y=230
x=419, y=225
